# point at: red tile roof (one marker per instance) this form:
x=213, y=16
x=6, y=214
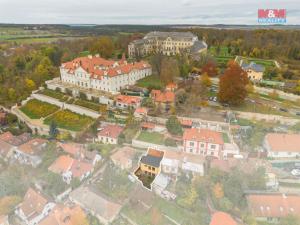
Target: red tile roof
x=127, y=99
x=80, y=168
x=33, y=203
x=283, y=142
x=221, y=218
x=72, y=148
x=33, y=146
x=203, y=135
x=274, y=205
x=187, y=123
x=61, y=164
x=141, y=110
x=147, y=125
x=112, y=131
x=6, y=136
x=163, y=97
x=63, y=215
x=99, y=67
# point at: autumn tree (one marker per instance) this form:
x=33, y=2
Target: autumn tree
x=103, y=46
x=205, y=80
x=233, y=84
x=169, y=70
x=210, y=69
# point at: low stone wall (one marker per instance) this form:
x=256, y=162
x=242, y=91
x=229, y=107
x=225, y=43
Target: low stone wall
x=268, y=117
x=74, y=108
x=141, y=144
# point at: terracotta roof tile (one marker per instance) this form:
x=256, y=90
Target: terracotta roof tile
x=284, y=142
x=274, y=205
x=112, y=131
x=61, y=164
x=222, y=218
x=204, y=135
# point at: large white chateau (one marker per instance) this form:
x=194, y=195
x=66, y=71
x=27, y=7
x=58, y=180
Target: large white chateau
x=167, y=43
x=94, y=72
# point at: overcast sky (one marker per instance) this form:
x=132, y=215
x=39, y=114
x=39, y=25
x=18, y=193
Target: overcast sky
x=142, y=11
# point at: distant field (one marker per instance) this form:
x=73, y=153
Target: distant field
x=36, y=109
x=68, y=120
x=21, y=36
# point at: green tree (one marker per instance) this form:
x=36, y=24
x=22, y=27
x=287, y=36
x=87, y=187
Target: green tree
x=53, y=131
x=173, y=125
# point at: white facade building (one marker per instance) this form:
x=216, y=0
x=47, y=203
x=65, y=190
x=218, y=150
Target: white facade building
x=281, y=145
x=94, y=72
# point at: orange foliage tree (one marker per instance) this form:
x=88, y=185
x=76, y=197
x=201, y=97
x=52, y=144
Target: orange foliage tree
x=210, y=69
x=233, y=84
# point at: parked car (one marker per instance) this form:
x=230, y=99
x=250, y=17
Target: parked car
x=295, y=172
x=283, y=109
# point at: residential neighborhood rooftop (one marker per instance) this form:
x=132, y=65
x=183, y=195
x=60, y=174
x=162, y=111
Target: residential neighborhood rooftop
x=283, y=142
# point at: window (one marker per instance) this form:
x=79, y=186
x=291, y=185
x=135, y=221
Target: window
x=192, y=144
x=213, y=146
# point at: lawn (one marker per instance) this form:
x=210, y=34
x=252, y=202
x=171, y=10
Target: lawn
x=152, y=137
x=87, y=104
x=70, y=121
x=151, y=82
x=36, y=109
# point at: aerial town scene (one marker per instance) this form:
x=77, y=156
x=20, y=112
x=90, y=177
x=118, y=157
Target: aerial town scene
x=180, y=112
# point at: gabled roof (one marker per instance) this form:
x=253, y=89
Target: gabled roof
x=203, y=135
x=153, y=158
x=62, y=164
x=273, y=205
x=63, y=215
x=94, y=202
x=253, y=66
x=112, y=131
x=163, y=97
x=123, y=155
x=98, y=67
x=80, y=168
x=127, y=99
x=33, y=203
x=32, y=147
x=281, y=142
x=222, y=218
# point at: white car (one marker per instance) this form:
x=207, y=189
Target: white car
x=295, y=172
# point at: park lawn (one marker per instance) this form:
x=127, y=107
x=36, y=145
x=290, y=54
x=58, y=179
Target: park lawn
x=152, y=137
x=36, y=109
x=68, y=120
x=223, y=51
x=152, y=82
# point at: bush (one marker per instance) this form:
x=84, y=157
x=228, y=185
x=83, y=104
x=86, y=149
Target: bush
x=170, y=142
x=173, y=125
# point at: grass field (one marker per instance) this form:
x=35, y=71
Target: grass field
x=87, y=104
x=36, y=109
x=152, y=82
x=54, y=94
x=68, y=120
x=152, y=137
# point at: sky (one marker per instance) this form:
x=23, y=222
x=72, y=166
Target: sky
x=142, y=11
